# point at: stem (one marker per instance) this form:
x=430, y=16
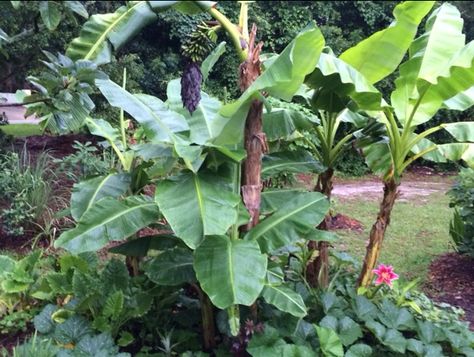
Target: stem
x=207, y=315
x=122, y=119
x=377, y=233
x=231, y=30
x=417, y=156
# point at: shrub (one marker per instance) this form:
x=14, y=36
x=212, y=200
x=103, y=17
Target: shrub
x=85, y=162
x=462, y=224
x=26, y=188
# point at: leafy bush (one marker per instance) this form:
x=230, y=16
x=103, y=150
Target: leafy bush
x=351, y=163
x=377, y=322
x=26, y=188
x=5, y=141
x=462, y=224
x=86, y=161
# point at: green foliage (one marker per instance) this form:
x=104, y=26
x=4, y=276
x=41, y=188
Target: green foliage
x=35, y=346
x=86, y=161
x=108, y=297
x=20, y=287
x=26, y=188
x=462, y=225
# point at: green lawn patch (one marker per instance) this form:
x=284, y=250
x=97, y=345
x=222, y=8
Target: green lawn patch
x=418, y=232
x=21, y=130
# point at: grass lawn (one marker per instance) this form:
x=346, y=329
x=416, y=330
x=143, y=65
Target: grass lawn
x=20, y=130
x=419, y=231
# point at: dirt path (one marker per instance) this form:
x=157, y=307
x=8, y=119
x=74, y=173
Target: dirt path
x=373, y=189
x=413, y=186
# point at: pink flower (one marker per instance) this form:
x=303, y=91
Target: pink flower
x=385, y=275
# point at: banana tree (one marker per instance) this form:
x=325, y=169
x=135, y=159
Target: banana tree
x=196, y=159
x=341, y=86
x=438, y=74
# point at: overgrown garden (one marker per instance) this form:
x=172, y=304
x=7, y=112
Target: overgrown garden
x=171, y=225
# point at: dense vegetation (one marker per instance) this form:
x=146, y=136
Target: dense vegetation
x=168, y=221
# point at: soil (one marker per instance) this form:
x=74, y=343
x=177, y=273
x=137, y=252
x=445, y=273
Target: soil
x=451, y=280
x=59, y=146
x=340, y=221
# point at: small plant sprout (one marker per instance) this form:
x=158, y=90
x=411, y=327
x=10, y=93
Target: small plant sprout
x=385, y=274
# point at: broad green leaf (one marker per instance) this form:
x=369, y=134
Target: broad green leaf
x=43, y=322
x=395, y=340
x=458, y=151
x=430, y=56
x=273, y=199
x=72, y=331
x=337, y=85
x=330, y=344
x=396, y=318
x=196, y=205
x=77, y=7
x=290, y=162
x=364, y=308
x=113, y=305
x=285, y=299
x=415, y=346
x=460, y=101
x=459, y=78
x=115, y=276
x=378, y=157
x=231, y=272
x=425, y=144
x=86, y=193
x=100, y=127
x=159, y=122
x=104, y=33
x=172, y=267
x=281, y=79
x=139, y=247
x=359, y=350
x=318, y=235
x=270, y=343
x=108, y=220
x=347, y=329
x=7, y=264
x=210, y=61
x=50, y=14
x=285, y=123
x=291, y=222
x=80, y=105
x=369, y=56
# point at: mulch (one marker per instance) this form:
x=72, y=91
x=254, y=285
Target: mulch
x=451, y=280
x=340, y=221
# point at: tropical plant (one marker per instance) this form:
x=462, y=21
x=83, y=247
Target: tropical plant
x=437, y=74
x=462, y=224
x=194, y=161
x=340, y=86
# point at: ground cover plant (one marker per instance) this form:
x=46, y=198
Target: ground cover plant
x=171, y=225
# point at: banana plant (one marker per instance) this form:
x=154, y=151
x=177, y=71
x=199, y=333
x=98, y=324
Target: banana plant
x=341, y=86
x=438, y=74
x=194, y=162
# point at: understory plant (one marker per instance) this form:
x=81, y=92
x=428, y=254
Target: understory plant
x=26, y=190
x=462, y=224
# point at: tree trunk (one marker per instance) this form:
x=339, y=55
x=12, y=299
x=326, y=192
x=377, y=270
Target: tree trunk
x=317, y=271
x=208, y=323
x=390, y=194
x=254, y=140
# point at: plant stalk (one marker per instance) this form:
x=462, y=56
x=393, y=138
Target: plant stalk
x=377, y=233
x=317, y=271
x=208, y=324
